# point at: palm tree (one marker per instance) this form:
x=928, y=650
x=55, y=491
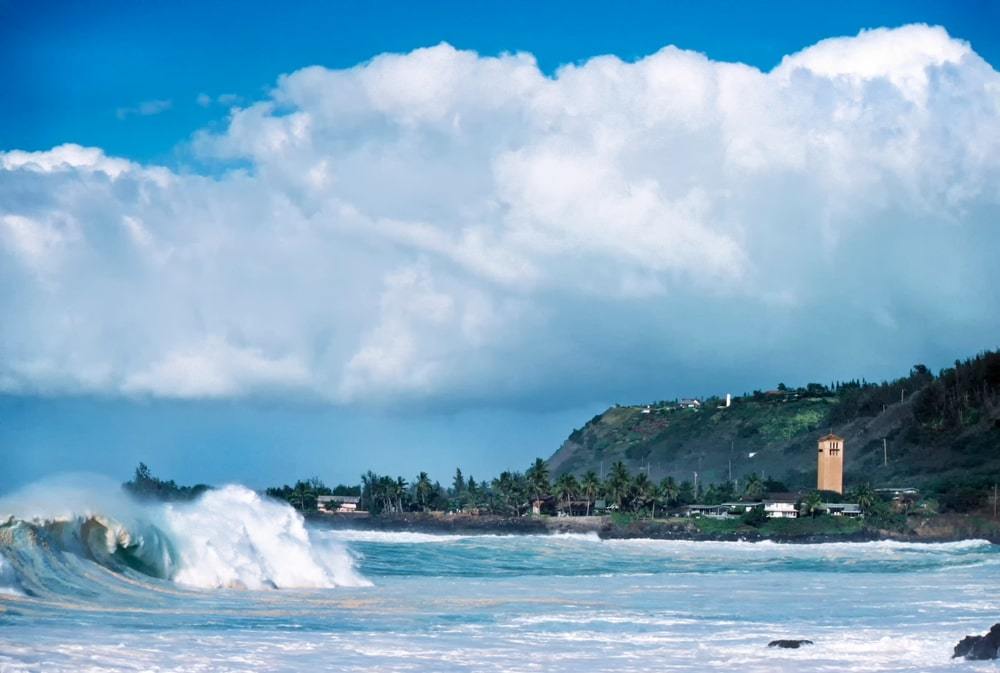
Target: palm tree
x=655, y=493
x=669, y=490
x=538, y=478
x=641, y=490
x=590, y=485
x=865, y=496
x=755, y=487
x=423, y=488
x=368, y=481
x=386, y=486
x=618, y=482
x=510, y=488
x=299, y=493
x=812, y=504
x=566, y=489
x=401, y=490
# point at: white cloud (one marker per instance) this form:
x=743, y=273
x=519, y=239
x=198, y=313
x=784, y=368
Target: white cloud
x=225, y=99
x=216, y=369
x=35, y=242
x=446, y=227
x=65, y=158
x=146, y=108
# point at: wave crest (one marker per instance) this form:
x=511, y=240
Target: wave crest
x=228, y=538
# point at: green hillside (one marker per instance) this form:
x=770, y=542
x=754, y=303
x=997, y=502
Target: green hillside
x=941, y=432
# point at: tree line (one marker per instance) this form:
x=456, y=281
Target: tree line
x=513, y=493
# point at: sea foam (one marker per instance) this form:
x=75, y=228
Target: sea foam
x=227, y=538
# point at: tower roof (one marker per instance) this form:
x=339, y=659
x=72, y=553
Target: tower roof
x=826, y=438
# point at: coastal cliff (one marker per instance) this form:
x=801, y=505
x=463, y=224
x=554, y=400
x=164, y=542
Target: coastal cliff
x=936, y=432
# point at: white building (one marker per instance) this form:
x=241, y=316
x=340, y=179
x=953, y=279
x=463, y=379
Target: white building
x=338, y=503
x=849, y=509
x=725, y=510
x=780, y=509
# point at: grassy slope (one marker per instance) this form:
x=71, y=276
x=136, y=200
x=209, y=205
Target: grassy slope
x=783, y=436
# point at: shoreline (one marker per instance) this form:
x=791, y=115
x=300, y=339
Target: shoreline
x=945, y=528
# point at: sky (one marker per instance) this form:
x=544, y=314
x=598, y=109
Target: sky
x=248, y=243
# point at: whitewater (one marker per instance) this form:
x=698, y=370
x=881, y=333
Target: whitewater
x=91, y=581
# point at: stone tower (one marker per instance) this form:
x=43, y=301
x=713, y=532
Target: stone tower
x=830, y=465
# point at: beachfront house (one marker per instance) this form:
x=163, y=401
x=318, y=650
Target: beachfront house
x=725, y=510
x=780, y=509
x=848, y=509
x=340, y=504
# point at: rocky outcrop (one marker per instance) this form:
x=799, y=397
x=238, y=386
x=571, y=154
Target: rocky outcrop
x=789, y=644
x=979, y=647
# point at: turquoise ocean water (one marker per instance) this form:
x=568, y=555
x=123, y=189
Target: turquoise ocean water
x=237, y=583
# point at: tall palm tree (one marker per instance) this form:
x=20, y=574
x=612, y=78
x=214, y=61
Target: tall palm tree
x=386, y=485
x=368, y=481
x=641, y=487
x=423, y=488
x=655, y=494
x=538, y=478
x=590, y=485
x=669, y=490
x=865, y=496
x=618, y=482
x=299, y=493
x=566, y=488
x=401, y=491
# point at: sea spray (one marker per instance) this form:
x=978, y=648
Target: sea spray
x=230, y=537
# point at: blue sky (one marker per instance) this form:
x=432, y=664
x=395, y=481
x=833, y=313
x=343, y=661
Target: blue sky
x=73, y=66
x=333, y=236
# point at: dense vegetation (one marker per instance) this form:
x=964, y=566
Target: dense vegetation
x=145, y=486
x=940, y=433
x=622, y=493
x=304, y=494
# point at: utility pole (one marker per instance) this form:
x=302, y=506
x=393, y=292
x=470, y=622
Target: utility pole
x=696, y=485
x=994, y=500
x=885, y=451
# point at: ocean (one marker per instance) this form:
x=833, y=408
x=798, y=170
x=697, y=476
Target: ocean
x=92, y=582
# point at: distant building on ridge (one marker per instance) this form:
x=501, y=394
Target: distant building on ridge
x=830, y=464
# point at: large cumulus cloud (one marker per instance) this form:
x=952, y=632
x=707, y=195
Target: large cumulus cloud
x=445, y=227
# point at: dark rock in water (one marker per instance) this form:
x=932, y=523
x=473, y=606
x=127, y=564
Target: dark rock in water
x=789, y=644
x=979, y=647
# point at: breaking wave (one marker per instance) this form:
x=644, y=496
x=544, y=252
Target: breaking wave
x=66, y=538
